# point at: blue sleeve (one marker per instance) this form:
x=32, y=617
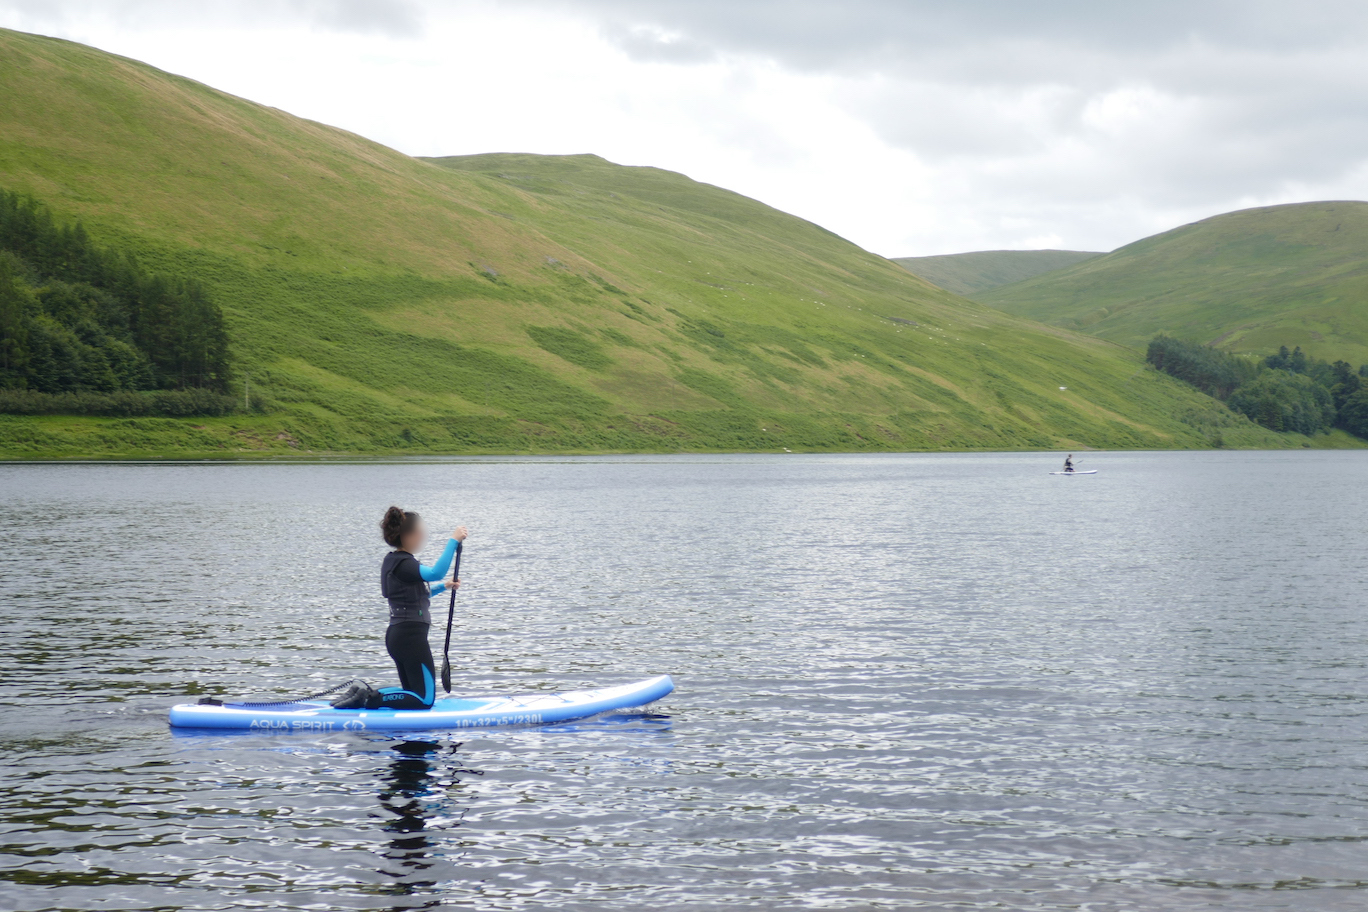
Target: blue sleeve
x=439, y=569
x=436, y=589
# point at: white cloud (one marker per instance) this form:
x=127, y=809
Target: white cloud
x=908, y=126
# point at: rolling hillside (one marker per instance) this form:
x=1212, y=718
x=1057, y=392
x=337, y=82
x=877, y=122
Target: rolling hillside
x=1247, y=281
x=969, y=273
x=503, y=303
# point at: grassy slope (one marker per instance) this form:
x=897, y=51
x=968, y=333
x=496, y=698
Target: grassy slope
x=522, y=303
x=1249, y=281
x=968, y=273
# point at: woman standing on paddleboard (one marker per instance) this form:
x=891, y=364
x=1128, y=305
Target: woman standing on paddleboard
x=406, y=584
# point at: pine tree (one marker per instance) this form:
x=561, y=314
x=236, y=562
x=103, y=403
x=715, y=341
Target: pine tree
x=16, y=305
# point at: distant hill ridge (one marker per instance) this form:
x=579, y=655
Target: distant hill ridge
x=969, y=273
x=516, y=303
x=1252, y=280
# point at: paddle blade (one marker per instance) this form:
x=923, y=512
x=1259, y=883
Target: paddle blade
x=446, y=675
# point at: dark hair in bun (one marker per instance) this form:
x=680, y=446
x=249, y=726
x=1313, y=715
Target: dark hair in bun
x=396, y=524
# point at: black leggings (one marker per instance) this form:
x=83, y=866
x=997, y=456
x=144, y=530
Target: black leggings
x=407, y=642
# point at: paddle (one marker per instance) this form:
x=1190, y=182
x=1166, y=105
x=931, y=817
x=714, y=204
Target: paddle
x=451, y=614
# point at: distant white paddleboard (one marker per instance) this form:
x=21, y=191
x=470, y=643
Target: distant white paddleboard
x=1077, y=472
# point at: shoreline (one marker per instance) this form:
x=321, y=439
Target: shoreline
x=412, y=456
x=292, y=436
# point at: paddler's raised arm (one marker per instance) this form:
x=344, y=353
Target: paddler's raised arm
x=433, y=572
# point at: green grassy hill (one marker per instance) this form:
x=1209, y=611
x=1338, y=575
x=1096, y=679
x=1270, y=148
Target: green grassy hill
x=968, y=273
x=1247, y=281
x=520, y=303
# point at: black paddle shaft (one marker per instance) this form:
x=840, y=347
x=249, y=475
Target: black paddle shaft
x=451, y=615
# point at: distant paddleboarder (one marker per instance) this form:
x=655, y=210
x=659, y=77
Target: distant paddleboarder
x=1068, y=463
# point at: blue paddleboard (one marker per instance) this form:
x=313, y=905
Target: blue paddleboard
x=446, y=713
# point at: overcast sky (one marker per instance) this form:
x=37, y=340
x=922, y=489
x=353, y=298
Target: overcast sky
x=909, y=127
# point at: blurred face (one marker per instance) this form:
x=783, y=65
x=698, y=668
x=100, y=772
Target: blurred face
x=413, y=541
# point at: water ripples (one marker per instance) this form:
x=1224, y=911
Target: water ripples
x=942, y=682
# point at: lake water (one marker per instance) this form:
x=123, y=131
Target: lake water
x=927, y=681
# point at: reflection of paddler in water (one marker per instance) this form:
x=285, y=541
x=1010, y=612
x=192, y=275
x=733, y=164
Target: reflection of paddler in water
x=414, y=795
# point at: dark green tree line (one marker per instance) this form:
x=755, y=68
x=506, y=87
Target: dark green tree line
x=1285, y=401
x=1211, y=370
x=1286, y=391
x=78, y=317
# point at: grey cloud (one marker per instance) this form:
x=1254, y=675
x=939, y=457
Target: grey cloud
x=391, y=17
x=858, y=35
x=1249, y=97
x=651, y=46
x=945, y=122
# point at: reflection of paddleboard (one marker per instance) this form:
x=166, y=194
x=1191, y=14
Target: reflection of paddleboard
x=1077, y=472
x=446, y=713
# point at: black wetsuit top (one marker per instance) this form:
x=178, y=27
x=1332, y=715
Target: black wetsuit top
x=402, y=583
